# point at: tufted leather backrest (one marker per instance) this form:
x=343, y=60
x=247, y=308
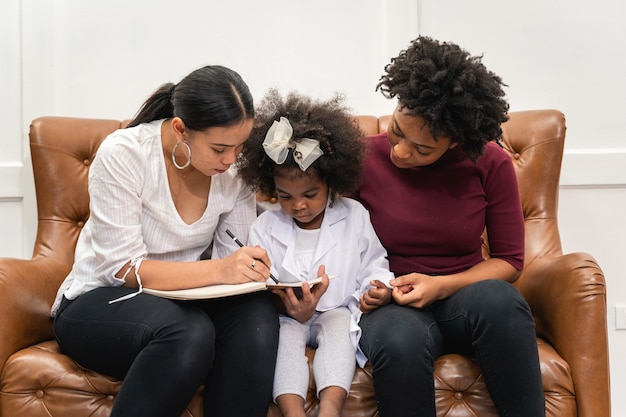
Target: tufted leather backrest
x=63, y=148
x=535, y=140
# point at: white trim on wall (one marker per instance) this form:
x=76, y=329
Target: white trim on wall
x=594, y=168
x=10, y=186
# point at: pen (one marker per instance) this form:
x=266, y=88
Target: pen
x=238, y=242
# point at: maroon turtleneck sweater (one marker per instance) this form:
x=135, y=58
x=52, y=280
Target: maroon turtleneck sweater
x=430, y=219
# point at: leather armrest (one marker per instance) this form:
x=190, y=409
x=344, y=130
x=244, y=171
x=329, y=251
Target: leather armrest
x=567, y=295
x=27, y=290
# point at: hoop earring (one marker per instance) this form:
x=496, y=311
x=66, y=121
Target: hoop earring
x=188, y=155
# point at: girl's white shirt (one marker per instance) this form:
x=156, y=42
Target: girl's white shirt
x=347, y=246
x=306, y=241
x=133, y=216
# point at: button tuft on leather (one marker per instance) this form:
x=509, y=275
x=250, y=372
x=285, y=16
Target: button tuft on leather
x=516, y=155
x=458, y=395
x=87, y=162
x=80, y=223
x=110, y=397
x=39, y=393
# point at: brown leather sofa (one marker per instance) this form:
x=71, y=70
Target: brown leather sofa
x=566, y=292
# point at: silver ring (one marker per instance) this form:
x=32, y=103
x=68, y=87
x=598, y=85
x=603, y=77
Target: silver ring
x=253, y=263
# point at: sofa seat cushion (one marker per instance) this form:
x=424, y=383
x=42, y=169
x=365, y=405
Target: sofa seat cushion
x=460, y=387
x=39, y=381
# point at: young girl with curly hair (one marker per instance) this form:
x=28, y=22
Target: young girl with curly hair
x=432, y=184
x=308, y=153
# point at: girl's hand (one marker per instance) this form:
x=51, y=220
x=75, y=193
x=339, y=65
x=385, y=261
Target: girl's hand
x=416, y=290
x=244, y=265
x=378, y=295
x=302, y=309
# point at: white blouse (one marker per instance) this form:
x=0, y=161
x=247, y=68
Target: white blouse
x=133, y=217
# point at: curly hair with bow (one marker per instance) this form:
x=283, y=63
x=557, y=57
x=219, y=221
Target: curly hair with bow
x=328, y=122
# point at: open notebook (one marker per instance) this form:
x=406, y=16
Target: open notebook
x=225, y=290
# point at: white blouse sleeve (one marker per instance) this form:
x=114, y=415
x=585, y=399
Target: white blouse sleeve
x=116, y=180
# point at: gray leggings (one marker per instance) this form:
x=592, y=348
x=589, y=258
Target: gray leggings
x=334, y=362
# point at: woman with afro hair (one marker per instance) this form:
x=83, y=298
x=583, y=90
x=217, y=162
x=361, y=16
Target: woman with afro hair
x=309, y=153
x=432, y=183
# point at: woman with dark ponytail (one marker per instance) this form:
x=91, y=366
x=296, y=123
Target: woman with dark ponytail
x=163, y=192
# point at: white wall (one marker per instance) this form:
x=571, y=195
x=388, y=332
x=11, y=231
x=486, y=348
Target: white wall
x=102, y=58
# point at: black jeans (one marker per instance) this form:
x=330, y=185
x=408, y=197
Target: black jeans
x=489, y=320
x=164, y=350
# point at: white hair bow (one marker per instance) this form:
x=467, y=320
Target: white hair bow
x=278, y=142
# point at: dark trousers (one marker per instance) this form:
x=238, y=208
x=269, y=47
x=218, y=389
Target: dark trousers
x=164, y=350
x=489, y=320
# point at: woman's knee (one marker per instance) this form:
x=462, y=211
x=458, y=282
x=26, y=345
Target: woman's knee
x=498, y=299
x=253, y=324
x=191, y=338
x=496, y=308
x=399, y=333
x=263, y=317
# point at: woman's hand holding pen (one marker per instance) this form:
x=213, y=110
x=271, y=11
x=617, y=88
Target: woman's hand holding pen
x=253, y=264
x=302, y=309
x=246, y=264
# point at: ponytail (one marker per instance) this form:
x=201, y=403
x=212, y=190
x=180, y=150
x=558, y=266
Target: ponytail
x=211, y=96
x=157, y=106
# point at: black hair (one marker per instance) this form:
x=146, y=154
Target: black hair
x=454, y=92
x=211, y=96
x=328, y=122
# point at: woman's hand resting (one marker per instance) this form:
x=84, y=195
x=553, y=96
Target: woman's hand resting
x=302, y=309
x=416, y=290
x=420, y=290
